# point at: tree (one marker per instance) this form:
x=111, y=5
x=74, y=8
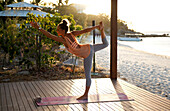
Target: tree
x=66, y=1
x=60, y=2
x=20, y=0
x=36, y=2
x=5, y=2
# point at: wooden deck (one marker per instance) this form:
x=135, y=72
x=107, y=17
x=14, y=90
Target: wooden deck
x=18, y=96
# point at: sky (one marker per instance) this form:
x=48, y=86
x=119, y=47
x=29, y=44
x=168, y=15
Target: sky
x=146, y=16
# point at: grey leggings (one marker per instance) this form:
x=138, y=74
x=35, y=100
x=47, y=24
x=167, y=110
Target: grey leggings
x=88, y=60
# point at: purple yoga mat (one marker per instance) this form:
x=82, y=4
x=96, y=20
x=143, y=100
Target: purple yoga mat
x=63, y=100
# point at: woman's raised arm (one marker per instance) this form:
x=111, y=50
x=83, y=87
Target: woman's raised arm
x=46, y=33
x=77, y=33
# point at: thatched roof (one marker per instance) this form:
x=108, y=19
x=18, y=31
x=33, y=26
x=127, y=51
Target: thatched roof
x=23, y=4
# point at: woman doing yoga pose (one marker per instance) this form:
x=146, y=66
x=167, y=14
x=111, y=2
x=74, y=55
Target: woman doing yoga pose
x=85, y=51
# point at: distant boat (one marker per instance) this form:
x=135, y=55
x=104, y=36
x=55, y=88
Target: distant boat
x=129, y=39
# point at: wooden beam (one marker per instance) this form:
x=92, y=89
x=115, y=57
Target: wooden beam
x=113, y=41
x=94, y=64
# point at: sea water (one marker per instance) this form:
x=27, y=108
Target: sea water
x=154, y=45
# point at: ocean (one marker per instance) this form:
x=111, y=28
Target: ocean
x=157, y=45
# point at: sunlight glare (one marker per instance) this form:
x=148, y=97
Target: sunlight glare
x=95, y=6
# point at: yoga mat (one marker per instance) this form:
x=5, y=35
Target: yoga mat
x=64, y=100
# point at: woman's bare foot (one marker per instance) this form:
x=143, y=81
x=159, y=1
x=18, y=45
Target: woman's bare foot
x=101, y=26
x=84, y=97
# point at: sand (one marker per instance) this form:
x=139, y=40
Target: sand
x=145, y=70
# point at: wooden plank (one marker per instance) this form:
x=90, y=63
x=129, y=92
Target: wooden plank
x=13, y=97
x=72, y=93
x=8, y=97
x=114, y=104
x=62, y=93
x=155, y=98
x=3, y=98
x=23, y=97
x=102, y=89
x=140, y=98
x=49, y=93
x=58, y=91
x=165, y=102
x=33, y=95
x=103, y=86
x=28, y=98
x=18, y=96
x=97, y=105
x=76, y=92
x=79, y=89
x=102, y=105
x=146, y=93
x=132, y=104
x=19, y=99
x=41, y=93
x=36, y=93
x=120, y=89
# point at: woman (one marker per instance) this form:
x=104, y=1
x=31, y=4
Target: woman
x=85, y=51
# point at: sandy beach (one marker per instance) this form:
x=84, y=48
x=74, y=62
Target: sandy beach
x=145, y=70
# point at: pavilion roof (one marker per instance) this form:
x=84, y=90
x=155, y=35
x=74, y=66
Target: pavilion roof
x=23, y=4
x=21, y=13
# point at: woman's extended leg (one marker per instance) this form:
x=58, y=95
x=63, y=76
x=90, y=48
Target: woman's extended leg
x=98, y=47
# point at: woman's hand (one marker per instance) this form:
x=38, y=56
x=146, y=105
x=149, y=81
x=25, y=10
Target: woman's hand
x=35, y=25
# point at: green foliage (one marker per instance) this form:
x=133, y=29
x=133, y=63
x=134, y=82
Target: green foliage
x=1, y=7
x=25, y=42
x=79, y=27
x=5, y=2
x=8, y=38
x=50, y=24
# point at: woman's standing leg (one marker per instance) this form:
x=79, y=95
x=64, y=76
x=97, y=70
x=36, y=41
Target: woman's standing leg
x=87, y=70
x=88, y=62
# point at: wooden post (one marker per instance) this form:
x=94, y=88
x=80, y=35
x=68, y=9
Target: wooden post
x=94, y=67
x=38, y=51
x=113, y=41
